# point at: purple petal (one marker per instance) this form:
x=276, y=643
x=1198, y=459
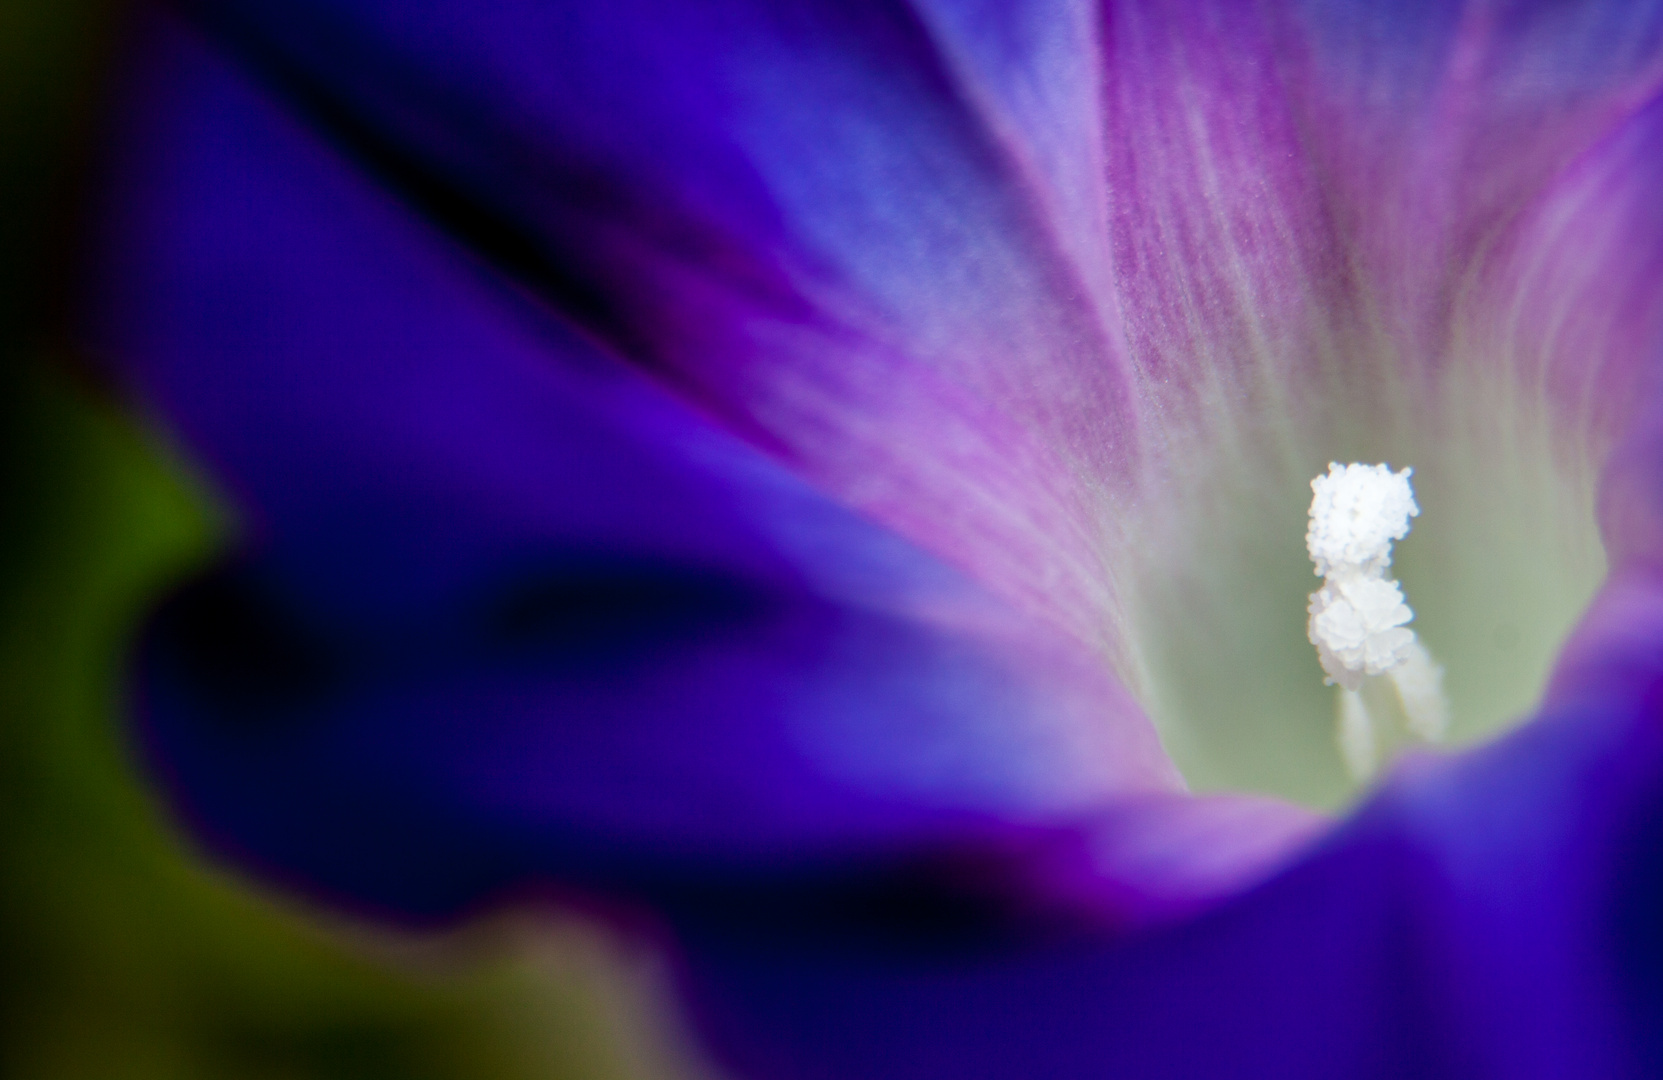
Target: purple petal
x=1441, y=129
x=514, y=611
x=1493, y=915
x=827, y=224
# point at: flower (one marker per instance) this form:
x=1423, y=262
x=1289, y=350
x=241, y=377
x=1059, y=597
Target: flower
x=761, y=461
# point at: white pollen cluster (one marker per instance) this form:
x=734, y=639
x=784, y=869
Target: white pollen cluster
x=1356, y=513
x=1358, y=617
x=1357, y=627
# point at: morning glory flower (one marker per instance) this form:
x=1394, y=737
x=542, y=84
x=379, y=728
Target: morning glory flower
x=835, y=476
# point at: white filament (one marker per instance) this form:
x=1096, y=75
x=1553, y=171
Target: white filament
x=1355, y=734
x=1420, y=687
x=1358, y=616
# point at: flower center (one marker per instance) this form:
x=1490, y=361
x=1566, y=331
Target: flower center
x=1503, y=560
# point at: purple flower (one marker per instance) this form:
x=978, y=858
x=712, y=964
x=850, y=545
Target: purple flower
x=767, y=461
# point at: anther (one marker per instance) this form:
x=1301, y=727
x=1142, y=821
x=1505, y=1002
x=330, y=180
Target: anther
x=1358, y=616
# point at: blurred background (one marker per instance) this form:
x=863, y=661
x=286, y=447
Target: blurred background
x=122, y=953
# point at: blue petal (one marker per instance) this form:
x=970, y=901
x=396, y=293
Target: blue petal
x=865, y=237
x=1494, y=915
x=510, y=610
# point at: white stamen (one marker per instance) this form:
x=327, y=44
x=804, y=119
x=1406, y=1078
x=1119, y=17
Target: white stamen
x=1420, y=687
x=1355, y=736
x=1358, y=616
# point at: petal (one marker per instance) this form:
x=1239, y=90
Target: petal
x=1442, y=128
x=513, y=611
x=865, y=237
x=1492, y=915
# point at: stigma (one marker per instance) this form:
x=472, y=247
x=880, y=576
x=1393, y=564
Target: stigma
x=1358, y=618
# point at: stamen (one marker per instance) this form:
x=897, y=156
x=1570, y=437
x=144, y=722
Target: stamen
x=1420, y=687
x=1358, y=616
x=1355, y=735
